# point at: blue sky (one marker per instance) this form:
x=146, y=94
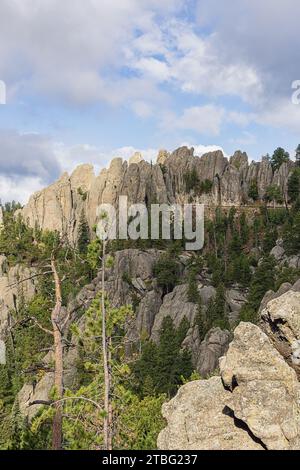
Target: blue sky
x=91, y=79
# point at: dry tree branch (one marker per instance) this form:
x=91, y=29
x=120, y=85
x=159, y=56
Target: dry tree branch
x=53, y=403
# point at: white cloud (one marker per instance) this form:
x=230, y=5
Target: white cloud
x=205, y=119
x=16, y=184
x=74, y=49
x=122, y=51
x=94, y=42
x=246, y=138
x=192, y=63
x=281, y=113
x=28, y=155
x=140, y=53
x=149, y=154
x=18, y=188
x=142, y=109
x=263, y=35
x=202, y=149
x=241, y=119
x=156, y=69
x=71, y=156
x=199, y=68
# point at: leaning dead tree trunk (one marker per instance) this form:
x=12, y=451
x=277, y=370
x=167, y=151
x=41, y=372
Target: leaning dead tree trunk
x=58, y=360
x=59, y=324
x=107, y=425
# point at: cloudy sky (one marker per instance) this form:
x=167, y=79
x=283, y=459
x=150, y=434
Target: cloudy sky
x=91, y=79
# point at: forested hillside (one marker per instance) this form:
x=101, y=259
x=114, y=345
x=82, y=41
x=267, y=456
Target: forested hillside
x=99, y=335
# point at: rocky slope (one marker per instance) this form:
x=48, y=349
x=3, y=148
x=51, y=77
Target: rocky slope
x=262, y=363
x=132, y=275
x=255, y=402
x=60, y=206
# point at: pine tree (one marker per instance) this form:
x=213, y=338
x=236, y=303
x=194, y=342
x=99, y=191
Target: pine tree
x=274, y=194
x=201, y=321
x=279, y=157
x=83, y=235
x=164, y=364
x=292, y=235
x=219, y=317
x=294, y=185
x=166, y=272
x=253, y=191
x=263, y=280
x=192, y=292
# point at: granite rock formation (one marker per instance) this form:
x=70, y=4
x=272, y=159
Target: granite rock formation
x=255, y=403
x=60, y=206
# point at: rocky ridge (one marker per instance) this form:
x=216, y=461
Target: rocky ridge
x=229, y=422
x=60, y=206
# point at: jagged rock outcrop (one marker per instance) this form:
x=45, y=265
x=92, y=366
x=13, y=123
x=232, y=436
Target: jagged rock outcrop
x=235, y=299
x=281, y=322
x=282, y=258
x=60, y=206
x=30, y=393
x=136, y=158
x=256, y=401
x=176, y=306
x=214, y=346
x=197, y=420
x=206, y=354
x=265, y=391
x=130, y=280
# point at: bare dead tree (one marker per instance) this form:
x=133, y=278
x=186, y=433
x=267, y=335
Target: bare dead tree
x=107, y=425
x=58, y=358
x=59, y=324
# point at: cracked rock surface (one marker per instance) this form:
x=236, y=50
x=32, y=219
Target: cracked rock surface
x=255, y=403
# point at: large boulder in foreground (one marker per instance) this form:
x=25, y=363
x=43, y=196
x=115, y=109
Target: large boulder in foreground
x=256, y=401
x=199, y=420
x=264, y=390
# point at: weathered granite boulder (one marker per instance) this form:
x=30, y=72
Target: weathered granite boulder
x=30, y=393
x=214, y=346
x=198, y=420
x=147, y=311
x=177, y=306
x=235, y=299
x=270, y=295
x=265, y=391
x=281, y=322
x=256, y=402
x=278, y=252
